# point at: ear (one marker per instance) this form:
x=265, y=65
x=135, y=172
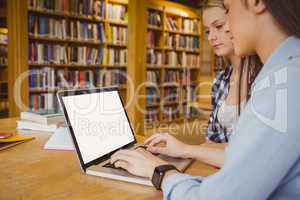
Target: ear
x=257, y=6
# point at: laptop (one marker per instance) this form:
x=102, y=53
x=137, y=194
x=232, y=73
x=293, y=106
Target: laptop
x=99, y=126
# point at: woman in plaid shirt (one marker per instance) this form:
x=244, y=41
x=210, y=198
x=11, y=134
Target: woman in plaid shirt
x=230, y=92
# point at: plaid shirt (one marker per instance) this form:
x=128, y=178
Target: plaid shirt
x=220, y=89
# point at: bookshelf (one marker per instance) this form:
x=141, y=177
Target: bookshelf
x=75, y=44
x=173, y=62
x=3, y=61
x=169, y=59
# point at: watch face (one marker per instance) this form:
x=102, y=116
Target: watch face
x=159, y=174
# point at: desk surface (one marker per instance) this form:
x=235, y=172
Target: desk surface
x=29, y=172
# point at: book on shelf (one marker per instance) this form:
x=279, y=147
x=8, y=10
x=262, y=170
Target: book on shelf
x=172, y=59
x=117, y=12
x=40, y=53
x=99, y=9
x=74, y=78
x=47, y=53
x=62, y=29
x=43, y=118
x=43, y=103
x=181, y=41
x=154, y=58
x=117, y=57
x=172, y=76
x=172, y=24
x=190, y=26
x=83, y=7
x=171, y=113
x=152, y=96
x=171, y=95
x=154, y=18
x=84, y=55
x=153, y=77
x=185, y=76
x=152, y=116
x=190, y=60
x=153, y=38
x=113, y=77
x=117, y=35
x=43, y=78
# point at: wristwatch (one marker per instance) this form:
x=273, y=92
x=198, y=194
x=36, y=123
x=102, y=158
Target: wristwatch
x=159, y=173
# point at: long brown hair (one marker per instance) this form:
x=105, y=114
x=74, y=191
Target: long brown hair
x=254, y=65
x=286, y=13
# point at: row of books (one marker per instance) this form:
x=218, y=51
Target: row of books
x=172, y=24
x=42, y=78
x=115, y=77
x=154, y=57
x=153, y=38
x=41, y=53
x=154, y=18
x=82, y=7
x=171, y=95
x=183, y=59
x=171, y=113
x=153, y=77
x=152, y=116
x=43, y=103
x=62, y=29
x=172, y=76
x=189, y=94
x=48, y=78
x=152, y=96
x=181, y=42
x=190, y=26
x=186, y=76
x=117, y=12
x=117, y=35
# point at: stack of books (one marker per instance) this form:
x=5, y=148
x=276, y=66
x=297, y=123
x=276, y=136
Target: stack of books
x=40, y=122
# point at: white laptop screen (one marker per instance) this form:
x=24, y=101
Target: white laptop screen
x=99, y=123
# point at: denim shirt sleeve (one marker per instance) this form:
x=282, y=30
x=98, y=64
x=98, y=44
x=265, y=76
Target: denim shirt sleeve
x=261, y=154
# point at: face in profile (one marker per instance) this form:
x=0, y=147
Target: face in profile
x=219, y=36
x=241, y=23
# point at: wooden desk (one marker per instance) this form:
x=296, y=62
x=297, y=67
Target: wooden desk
x=29, y=172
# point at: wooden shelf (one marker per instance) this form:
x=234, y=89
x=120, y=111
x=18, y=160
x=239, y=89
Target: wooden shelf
x=154, y=28
x=155, y=48
x=182, y=50
x=54, y=90
x=153, y=105
x=154, y=67
x=182, y=33
x=121, y=2
x=56, y=40
x=77, y=65
x=3, y=44
x=3, y=66
x=119, y=23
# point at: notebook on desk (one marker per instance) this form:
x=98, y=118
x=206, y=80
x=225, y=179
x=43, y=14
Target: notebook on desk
x=13, y=140
x=99, y=126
